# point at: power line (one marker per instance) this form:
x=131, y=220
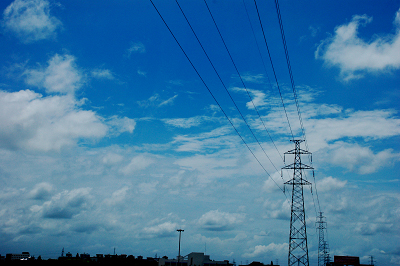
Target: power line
x=266, y=72
x=265, y=69
x=198, y=74
x=273, y=68
x=294, y=88
x=237, y=71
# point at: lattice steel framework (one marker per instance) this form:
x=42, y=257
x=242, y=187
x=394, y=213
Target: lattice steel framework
x=298, y=249
x=323, y=248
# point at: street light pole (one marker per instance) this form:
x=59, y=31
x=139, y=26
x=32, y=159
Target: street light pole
x=179, y=253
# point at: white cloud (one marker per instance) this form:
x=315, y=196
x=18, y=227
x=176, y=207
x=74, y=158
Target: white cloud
x=354, y=56
x=102, y=74
x=277, y=209
x=141, y=73
x=117, y=196
x=330, y=183
x=148, y=188
x=271, y=249
x=41, y=191
x=186, y=122
x=360, y=159
x=259, y=98
x=60, y=76
x=66, y=204
x=220, y=221
x=168, y=101
x=270, y=185
x=137, y=47
x=30, y=20
x=119, y=125
x=257, y=78
x=137, y=163
x=212, y=140
x=112, y=158
x=161, y=230
x=31, y=121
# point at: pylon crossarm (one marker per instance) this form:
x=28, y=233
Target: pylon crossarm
x=299, y=166
x=302, y=182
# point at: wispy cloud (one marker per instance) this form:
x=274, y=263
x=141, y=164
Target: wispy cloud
x=168, y=101
x=156, y=101
x=355, y=56
x=136, y=47
x=187, y=122
x=102, y=74
x=30, y=20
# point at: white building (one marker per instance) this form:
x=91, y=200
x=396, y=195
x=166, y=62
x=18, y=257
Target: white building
x=23, y=256
x=193, y=259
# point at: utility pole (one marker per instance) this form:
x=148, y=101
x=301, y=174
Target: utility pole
x=179, y=252
x=323, y=249
x=298, y=249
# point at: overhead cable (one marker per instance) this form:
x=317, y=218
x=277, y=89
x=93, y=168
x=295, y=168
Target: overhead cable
x=237, y=71
x=208, y=89
x=293, y=86
x=273, y=69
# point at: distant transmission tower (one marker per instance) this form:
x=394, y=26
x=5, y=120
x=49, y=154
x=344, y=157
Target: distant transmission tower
x=298, y=249
x=323, y=248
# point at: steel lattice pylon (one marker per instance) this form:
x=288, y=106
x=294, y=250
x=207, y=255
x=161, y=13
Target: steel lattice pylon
x=323, y=248
x=298, y=249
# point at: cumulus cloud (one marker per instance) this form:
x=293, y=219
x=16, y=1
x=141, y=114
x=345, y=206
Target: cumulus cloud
x=271, y=184
x=65, y=205
x=161, y=230
x=31, y=121
x=360, y=159
x=41, y=191
x=271, y=249
x=60, y=76
x=30, y=20
x=277, y=209
x=112, y=158
x=373, y=228
x=117, y=196
x=220, y=221
x=137, y=163
x=121, y=124
x=354, y=56
x=148, y=188
x=329, y=183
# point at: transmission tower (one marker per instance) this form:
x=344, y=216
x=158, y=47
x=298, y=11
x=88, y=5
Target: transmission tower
x=298, y=249
x=323, y=248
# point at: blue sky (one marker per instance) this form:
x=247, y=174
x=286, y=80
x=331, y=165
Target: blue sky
x=109, y=138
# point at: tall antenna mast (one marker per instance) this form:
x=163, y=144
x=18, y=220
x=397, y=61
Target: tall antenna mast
x=179, y=252
x=298, y=249
x=323, y=248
